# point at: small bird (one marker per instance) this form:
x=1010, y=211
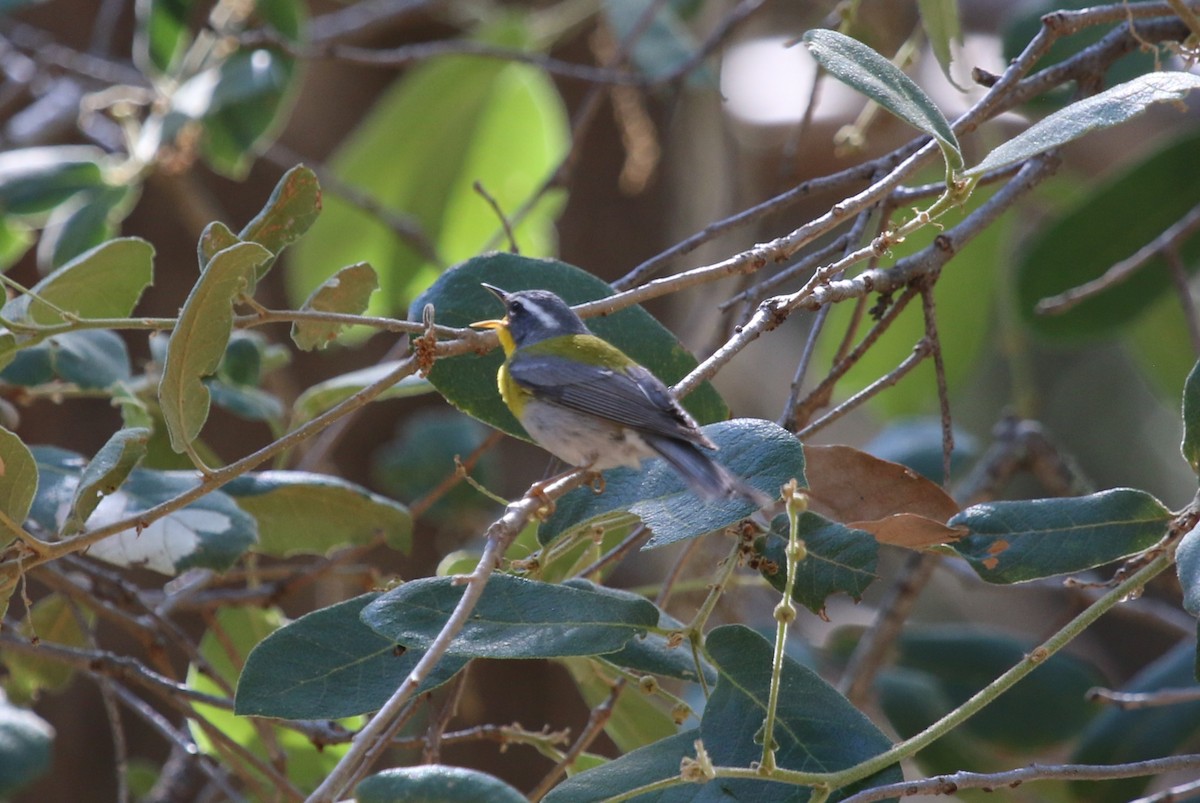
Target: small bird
x=589, y=404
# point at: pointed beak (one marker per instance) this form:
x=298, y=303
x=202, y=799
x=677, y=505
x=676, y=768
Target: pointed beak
x=493, y=324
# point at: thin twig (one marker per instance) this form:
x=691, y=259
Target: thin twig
x=598, y=718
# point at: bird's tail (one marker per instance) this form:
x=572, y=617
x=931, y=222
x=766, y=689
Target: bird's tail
x=703, y=474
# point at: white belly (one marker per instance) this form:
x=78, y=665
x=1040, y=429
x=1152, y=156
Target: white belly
x=581, y=440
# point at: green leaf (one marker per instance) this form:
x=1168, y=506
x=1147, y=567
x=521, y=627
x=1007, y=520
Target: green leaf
x=303, y=513
x=760, y=452
x=1119, y=736
x=941, y=23
x=966, y=294
x=215, y=238
x=25, y=747
x=58, y=472
x=15, y=239
x=1191, y=419
x=328, y=664
x=860, y=67
x=434, y=783
x=242, y=362
x=837, y=558
x=105, y=473
x=469, y=381
x=1159, y=345
x=18, y=477
x=347, y=291
x=105, y=282
x=1011, y=542
x=515, y=618
x=961, y=660
x=818, y=730
x=198, y=341
x=497, y=123
x=83, y=222
x=225, y=646
x=53, y=619
x=1187, y=562
x=320, y=397
x=91, y=359
x=1104, y=110
x=1098, y=233
x=34, y=180
x=293, y=206
x=655, y=762
x=161, y=34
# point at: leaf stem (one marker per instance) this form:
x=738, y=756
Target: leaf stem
x=785, y=614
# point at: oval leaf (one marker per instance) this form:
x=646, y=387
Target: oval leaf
x=1187, y=560
x=1109, y=108
x=292, y=208
x=1011, y=542
x=837, y=559
x=655, y=762
x=469, y=381
x=105, y=282
x=1191, y=419
x=515, y=618
x=198, y=341
x=763, y=454
x=328, y=664
x=18, y=476
x=105, y=473
x=860, y=67
x=818, y=730
x=303, y=513
x=347, y=291
x=434, y=783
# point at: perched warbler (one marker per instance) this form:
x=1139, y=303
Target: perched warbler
x=588, y=403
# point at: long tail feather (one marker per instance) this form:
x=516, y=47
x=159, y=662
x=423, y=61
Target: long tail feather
x=703, y=474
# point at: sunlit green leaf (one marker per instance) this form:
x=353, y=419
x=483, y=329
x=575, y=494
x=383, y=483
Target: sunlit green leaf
x=105, y=282
x=19, y=478
x=54, y=620
x=860, y=67
x=1191, y=419
x=198, y=341
x=942, y=27
x=161, y=34
x=348, y=291
x=289, y=212
x=498, y=123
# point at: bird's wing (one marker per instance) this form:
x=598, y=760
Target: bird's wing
x=632, y=397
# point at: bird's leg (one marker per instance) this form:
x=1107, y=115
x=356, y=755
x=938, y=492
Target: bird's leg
x=596, y=481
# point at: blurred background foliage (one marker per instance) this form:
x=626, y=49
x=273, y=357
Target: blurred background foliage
x=427, y=122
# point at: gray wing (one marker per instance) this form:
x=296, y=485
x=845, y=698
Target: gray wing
x=634, y=398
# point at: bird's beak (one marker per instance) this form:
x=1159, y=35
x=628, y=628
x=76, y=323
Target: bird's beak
x=493, y=324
